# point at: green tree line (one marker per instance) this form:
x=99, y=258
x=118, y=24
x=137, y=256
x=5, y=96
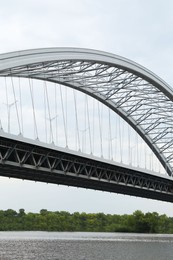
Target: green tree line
x=138, y=222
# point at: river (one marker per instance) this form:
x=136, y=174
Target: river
x=84, y=246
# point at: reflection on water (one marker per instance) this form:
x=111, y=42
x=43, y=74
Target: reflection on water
x=88, y=246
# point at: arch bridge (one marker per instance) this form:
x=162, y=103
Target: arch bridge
x=136, y=94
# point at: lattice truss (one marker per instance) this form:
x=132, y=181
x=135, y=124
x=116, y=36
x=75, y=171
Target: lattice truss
x=63, y=168
x=146, y=108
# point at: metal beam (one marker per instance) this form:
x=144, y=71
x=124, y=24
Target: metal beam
x=19, y=159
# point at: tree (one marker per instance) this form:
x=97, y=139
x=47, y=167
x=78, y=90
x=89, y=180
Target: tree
x=153, y=220
x=21, y=213
x=141, y=224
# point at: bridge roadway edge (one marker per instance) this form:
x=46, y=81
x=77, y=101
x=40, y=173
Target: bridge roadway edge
x=11, y=166
x=35, y=175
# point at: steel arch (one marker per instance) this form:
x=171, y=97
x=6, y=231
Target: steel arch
x=139, y=96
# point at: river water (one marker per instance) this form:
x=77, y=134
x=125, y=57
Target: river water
x=84, y=246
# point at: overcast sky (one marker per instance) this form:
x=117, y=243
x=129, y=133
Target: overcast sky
x=139, y=30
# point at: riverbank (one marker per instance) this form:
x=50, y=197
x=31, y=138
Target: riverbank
x=138, y=222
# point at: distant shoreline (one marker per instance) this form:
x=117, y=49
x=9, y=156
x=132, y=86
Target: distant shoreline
x=62, y=221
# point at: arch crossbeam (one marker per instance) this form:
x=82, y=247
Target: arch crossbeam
x=136, y=94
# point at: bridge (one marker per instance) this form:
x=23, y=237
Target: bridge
x=62, y=108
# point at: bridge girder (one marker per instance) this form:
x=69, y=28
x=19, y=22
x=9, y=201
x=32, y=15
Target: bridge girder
x=140, y=97
x=23, y=159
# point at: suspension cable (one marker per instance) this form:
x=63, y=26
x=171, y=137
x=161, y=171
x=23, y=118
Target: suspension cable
x=100, y=130
x=116, y=138
x=66, y=115
x=21, y=107
x=110, y=135
x=45, y=112
x=33, y=108
x=120, y=139
x=7, y=102
x=62, y=106
x=93, y=136
x=56, y=113
x=15, y=103
x=89, y=124
x=129, y=146
x=137, y=150
x=49, y=114
x=76, y=117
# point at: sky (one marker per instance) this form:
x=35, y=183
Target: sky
x=138, y=30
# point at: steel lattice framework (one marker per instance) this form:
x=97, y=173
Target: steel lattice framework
x=140, y=97
x=32, y=160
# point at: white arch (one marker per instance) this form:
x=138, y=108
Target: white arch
x=129, y=89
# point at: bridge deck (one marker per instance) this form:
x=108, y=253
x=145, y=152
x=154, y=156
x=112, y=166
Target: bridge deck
x=30, y=160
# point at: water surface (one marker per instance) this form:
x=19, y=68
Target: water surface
x=88, y=246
